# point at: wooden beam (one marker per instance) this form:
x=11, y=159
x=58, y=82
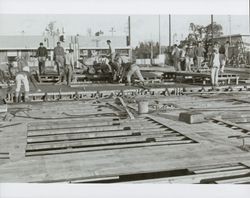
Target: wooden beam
x=103, y=148
x=126, y=108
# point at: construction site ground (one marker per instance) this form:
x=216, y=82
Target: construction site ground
x=103, y=138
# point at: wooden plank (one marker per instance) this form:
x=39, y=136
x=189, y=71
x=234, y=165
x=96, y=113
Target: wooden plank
x=102, y=148
x=219, y=169
x=126, y=108
x=94, y=142
x=76, y=136
x=79, y=124
x=231, y=124
x=43, y=123
x=164, y=139
x=240, y=180
x=192, y=179
x=70, y=125
x=212, y=166
x=91, y=129
x=99, y=179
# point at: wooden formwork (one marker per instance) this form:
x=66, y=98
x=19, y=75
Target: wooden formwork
x=85, y=136
x=120, y=90
x=93, y=141
x=223, y=78
x=49, y=78
x=237, y=173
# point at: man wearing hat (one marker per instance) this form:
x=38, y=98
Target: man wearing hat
x=42, y=55
x=59, y=57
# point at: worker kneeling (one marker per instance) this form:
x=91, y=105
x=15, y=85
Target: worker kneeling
x=22, y=77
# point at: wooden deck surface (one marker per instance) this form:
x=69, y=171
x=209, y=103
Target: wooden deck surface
x=90, y=141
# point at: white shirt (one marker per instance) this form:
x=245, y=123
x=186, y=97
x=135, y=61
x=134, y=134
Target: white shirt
x=216, y=60
x=69, y=59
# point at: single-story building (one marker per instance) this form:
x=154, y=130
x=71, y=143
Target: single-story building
x=12, y=46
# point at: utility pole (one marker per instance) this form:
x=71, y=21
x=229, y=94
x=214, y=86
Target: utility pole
x=169, y=29
x=129, y=31
x=230, y=28
x=212, y=28
x=159, y=34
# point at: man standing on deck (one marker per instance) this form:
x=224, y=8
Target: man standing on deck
x=215, y=67
x=59, y=57
x=23, y=76
x=42, y=55
x=69, y=67
x=176, y=58
x=111, y=51
x=222, y=52
x=199, y=54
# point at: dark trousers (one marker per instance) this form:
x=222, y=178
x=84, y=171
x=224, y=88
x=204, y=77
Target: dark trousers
x=59, y=63
x=41, y=65
x=67, y=74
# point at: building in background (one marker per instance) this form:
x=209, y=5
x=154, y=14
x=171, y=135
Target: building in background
x=12, y=46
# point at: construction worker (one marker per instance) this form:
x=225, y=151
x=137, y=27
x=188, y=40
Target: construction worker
x=199, y=54
x=42, y=55
x=128, y=68
x=59, y=57
x=69, y=66
x=22, y=77
x=111, y=52
x=215, y=67
x=176, y=57
x=222, y=52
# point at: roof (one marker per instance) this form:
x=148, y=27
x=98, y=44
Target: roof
x=232, y=35
x=32, y=42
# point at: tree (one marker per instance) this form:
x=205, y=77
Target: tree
x=203, y=33
x=217, y=29
x=52, y=31
x=145, y=49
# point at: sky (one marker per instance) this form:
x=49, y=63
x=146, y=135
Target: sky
x=30, y=17
x=143, y=27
